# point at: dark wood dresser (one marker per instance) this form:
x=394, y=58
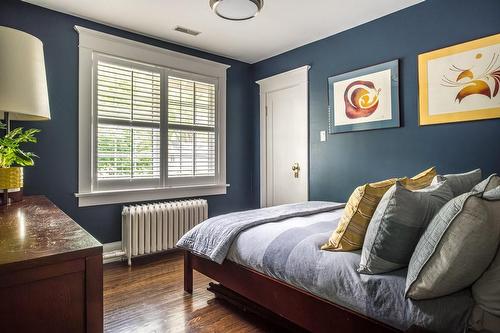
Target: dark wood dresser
x=50, y=271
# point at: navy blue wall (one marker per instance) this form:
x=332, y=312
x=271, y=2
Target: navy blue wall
x=349, y=159
x=55, y=173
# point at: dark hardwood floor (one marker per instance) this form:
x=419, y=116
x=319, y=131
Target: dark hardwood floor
x=149, y=297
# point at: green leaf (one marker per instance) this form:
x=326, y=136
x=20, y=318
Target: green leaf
x=10, y=152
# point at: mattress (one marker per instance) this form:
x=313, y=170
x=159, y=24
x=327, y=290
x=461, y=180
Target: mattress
x=290, y=251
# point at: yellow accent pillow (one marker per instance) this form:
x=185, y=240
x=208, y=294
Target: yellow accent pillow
x=351, y=230
x=358, y=212
x=420, y=181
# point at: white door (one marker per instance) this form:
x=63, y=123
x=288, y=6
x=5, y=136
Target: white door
x=284, y=161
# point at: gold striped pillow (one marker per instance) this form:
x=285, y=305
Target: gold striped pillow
x=358, y=212
x=420, y=181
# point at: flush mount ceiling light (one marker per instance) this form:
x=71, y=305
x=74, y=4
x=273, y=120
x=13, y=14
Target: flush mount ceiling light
x=236, y=10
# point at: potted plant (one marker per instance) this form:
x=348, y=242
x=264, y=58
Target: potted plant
x=13, y=159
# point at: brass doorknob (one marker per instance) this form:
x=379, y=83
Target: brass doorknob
x=296, y=169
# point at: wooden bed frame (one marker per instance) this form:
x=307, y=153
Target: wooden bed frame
x=239, y=284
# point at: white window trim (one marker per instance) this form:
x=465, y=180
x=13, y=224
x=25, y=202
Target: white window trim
x=91, y=41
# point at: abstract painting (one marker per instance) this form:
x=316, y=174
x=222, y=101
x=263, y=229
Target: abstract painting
x=364, y=99
x=460, y=82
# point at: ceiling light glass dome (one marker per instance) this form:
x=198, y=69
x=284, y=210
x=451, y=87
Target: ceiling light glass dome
x=236, y=10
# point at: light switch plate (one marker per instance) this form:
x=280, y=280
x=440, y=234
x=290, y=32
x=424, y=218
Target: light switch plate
x=322, y=136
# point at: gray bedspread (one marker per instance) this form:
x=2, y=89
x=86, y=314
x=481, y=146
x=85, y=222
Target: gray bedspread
x=289, y=251
x=213, y=238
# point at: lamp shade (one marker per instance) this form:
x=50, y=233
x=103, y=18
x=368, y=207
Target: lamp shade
x=23, y=83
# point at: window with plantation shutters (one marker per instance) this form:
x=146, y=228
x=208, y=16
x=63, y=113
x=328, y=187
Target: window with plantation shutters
x=155, y=127
x=152, y=122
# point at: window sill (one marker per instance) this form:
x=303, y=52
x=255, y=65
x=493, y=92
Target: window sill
x=148, y=194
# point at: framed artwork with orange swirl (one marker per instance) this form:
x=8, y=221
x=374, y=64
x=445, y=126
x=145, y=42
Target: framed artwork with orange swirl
x=364, y=99
x=460, y=82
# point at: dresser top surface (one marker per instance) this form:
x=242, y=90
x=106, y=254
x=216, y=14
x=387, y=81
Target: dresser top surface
x=35, y=228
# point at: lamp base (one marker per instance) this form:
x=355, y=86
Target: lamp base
x=14, y=195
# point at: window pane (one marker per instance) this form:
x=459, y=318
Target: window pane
x=146, y=96
x=180, y=153
x=204, y=104
x=114, y=92
x=204, y=146
x=114, y=153
x=191, y=153
x=125, y=93
x=191, y=102
x=127, y=152
x=146, y=157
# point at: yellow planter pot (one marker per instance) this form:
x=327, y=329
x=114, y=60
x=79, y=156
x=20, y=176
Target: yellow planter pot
x=11, y=178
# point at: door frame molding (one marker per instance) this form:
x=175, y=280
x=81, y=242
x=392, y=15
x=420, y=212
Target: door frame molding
x=268, y=85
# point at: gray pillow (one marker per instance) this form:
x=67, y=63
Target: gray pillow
x=492, y=194
x=483, y=321
x=462, y=182
x=457, y=247
x=488, y=184
x=486, y=290
x=397, y=224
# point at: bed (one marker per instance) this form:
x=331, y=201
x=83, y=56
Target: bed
x=279, y=266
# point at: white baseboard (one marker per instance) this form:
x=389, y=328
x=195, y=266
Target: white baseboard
x=111, y=247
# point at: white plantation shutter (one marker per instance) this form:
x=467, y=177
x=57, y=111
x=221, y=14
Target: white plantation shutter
x=191, y=128
x=154, y=127
x=128, y=122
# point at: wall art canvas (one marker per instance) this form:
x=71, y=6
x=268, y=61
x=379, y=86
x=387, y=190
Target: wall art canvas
x=461, y=82
x=364, y=99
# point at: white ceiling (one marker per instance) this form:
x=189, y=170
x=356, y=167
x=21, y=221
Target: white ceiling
x=282, y=25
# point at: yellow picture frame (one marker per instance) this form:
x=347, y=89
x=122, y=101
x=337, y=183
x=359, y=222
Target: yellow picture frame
x=475, y=114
